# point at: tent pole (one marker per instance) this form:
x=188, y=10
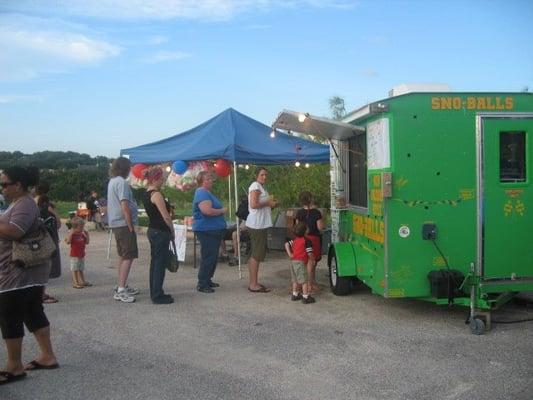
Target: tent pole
x=229, y=196
x=109, y=243
x=237, y=219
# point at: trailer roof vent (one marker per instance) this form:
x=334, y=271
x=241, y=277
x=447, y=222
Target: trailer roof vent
x=405, y=88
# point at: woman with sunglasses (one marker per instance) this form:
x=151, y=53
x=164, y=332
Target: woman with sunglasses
x=21, y=289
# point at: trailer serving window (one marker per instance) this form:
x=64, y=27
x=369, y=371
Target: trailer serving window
x=512, y=156
x=357, y=172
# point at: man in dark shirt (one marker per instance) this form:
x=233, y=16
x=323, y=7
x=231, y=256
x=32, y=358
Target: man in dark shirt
x=92, y=205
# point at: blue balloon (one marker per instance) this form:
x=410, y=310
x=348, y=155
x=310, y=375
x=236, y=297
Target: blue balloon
x=179, y=167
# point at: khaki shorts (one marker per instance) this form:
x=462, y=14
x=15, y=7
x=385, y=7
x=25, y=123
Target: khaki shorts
x=258, y=238
x=77, y=263
x=298, y=272
x=126, y=243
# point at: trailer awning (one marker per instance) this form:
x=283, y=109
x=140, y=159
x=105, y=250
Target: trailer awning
x=316, y=126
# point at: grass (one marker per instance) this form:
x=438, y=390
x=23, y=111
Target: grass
x=64, y=207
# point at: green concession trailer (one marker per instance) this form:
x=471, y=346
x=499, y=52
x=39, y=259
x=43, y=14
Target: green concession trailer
x=432, y=197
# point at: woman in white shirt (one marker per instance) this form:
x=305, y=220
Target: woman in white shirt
x=259, y=220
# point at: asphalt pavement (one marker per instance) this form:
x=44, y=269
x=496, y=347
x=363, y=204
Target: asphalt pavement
x=234, y=344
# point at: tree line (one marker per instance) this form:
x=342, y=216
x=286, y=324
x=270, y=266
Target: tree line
x=73, y=175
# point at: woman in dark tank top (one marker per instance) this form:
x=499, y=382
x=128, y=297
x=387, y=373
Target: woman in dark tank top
x=160, y=233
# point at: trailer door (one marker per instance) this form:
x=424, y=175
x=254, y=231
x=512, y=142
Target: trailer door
x=506, y=195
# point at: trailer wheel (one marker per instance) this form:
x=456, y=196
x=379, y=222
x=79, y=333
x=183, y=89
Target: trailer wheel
x=340, y=285
x=477, y=326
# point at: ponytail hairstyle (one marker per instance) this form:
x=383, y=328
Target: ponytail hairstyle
x=153, y=174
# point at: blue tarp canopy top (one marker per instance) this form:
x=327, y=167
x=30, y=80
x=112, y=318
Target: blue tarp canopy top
x=232, y=136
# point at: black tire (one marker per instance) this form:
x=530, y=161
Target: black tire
x=477, y=326
x=340, y=285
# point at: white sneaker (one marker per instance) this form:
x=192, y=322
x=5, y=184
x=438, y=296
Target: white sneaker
x=130, y=290
x=124, y=297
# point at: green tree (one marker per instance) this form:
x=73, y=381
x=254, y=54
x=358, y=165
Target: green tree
x=337, y=108
x=71, y=175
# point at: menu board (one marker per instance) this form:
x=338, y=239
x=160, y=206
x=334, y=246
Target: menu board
x=378, y=146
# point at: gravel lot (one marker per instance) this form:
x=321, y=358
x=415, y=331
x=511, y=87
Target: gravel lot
x=238, y=345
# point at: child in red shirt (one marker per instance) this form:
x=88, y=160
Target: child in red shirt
x=300, y=250
x=78, y=238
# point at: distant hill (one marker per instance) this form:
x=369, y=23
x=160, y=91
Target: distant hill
x=71, y=175
x=51, y=159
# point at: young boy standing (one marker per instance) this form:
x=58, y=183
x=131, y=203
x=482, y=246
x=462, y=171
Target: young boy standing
x=78, y=238
x=300, y=250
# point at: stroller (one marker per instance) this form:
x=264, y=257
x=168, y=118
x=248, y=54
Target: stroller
x=245, y=242
x=101, y=215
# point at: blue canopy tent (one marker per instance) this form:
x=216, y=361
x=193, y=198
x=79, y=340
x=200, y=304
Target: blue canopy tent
x=234, y=137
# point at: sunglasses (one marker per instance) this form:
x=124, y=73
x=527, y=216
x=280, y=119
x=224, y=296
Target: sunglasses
x=6, y=184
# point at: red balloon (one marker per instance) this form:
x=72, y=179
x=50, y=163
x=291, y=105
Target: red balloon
x=138, y=169
x=222, y=168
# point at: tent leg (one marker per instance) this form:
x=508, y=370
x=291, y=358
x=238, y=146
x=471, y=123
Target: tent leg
x=237, y=219
x=229, y=196
x=109, y=243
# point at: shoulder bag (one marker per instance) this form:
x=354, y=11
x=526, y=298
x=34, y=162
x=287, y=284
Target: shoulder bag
x=33, y=249
x=172, y=258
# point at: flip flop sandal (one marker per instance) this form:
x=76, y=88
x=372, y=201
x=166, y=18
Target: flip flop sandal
x=49, y=299
x=87, y=284
x=261, y=289
x=35, y=365
x=9, y=377
x=78, y=286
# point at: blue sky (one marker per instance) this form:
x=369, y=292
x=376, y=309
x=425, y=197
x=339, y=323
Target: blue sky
x=97, y=76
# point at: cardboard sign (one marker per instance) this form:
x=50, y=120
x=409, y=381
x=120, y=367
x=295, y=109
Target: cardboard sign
x=180, y=238
x=378, y=144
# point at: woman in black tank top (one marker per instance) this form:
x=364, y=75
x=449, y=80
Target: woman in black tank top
x=160, y=233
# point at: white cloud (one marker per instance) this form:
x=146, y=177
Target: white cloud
x=15, y=98
x=377, y=40
x=155, y=40
x=167, y=9
x=31, y=47
x=162, y=56
x=369, y=72
x=258, y=27
x=70, y=47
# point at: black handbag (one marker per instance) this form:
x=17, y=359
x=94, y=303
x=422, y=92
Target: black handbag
x=33, y=249
x=172, y=258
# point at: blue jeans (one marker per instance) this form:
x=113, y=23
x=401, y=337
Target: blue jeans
x=159, y=242
x=210, y=243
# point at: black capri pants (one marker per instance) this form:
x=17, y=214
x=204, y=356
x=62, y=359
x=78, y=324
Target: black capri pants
x=22, y=307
